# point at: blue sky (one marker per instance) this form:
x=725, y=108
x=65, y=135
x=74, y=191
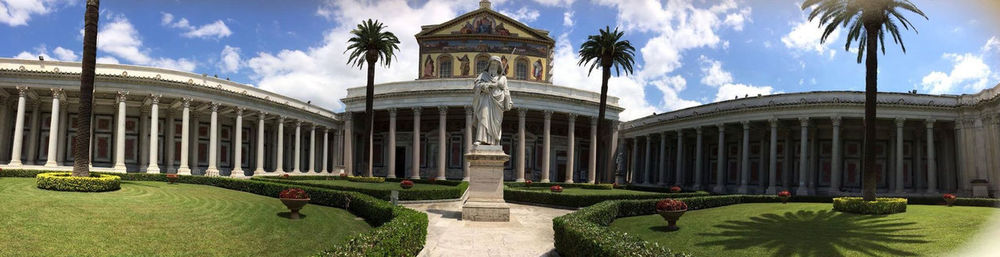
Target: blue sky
x=689, y=52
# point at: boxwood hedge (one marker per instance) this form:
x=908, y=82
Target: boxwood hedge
x=63, y=181
x=457, y=190
x=564, y=185
x=879, y=206
x=516, y=194
x=397, y=231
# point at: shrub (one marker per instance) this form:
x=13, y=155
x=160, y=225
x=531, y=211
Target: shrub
x=784, y=193
x=564, y=185
x=879, y=206
x=366, y=179
x=670, y=205
x=64, y=181
x=556, y=189
x=293, y=193
x=516, y=194
x=456, y=191
x=406, y=184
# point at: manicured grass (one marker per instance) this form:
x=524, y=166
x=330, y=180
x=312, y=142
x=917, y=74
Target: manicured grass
x=811, y=229
x=388, y=185
x=583, y=191
x=159, y=219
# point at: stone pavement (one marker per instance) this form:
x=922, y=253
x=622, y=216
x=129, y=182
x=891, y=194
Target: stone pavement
x=528, y=233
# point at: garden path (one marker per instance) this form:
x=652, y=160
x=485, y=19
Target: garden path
x=528, y=233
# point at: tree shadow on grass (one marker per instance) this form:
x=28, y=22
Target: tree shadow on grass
x=822, y=233
x=288, y=215
x=133, y=183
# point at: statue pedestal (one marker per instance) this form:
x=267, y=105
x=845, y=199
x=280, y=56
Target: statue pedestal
x=485, y=203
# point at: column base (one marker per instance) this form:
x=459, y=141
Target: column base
x=51, y=164
x=441, y=178
x=465, y=179
x=153, y=169
x=237, y=174
x=932, y=192
x=212, y=172
x=391, y=175
x=519, y=180
x=544, y=180
x=719, y=189
x=568, y=181
x=183, y=171
x=296, y=171
x=15, y=163
x=834, y=192
x=802, y=190
x=259, y=172
x=696, y=186
x=414, y=177
x=771, y=190
x=742, y=189
x=591, y=182
x=119, y=169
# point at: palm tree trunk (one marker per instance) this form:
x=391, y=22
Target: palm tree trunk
x=369, y=115
x=871, y=94
x=81, y=153
x=602, y=126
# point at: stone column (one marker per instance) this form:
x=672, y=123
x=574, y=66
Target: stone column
x=260, y=144
x=169, y=141
x=120, y=134
x=391, y=173
x=143, y=145
x=803, y=164
x=611, y=167
x=183, y=169
x=238, y=145
x=325, y=168
x=772, y=171
x=664, y=153
x=415, y=170
x=63, y=127
x=194, y=146
x=899, y=155
x=679, y=172
x=745, y=159
x=835, y=167
x=570, y=148
x=521, y=113
x=648, y=161
x=312, y=149
x=297, y=152
x=348, y=143
x=442, y=142
x=213, y=142
x=154, y=133
x=54, y=129
x=697, y=160
x=931, y=159
x=546, y=142
x=592, y=160
x=720, y=184
x=36, y=109
x=279, y=158
x=468, y=144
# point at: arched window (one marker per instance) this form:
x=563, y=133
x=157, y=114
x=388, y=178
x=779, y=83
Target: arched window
x=444, y=71
x=481, y=61
x=521, y=69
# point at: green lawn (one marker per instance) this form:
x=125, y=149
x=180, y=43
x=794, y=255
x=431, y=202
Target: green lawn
x=378, y=186
x=583, y=191
x=812, y=229
x=158, y=219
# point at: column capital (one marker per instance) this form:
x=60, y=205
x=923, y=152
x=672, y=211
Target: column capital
x=155, y=98
x=593, y=121
x=57, y=93
x=186, y=101
x=298, y=123
x=262, y=115
x=281, y=119
x=392, y=112
x=214, y=106
x=522, y=112
x=442, y=110
x=121, y=96
x=548, y=114
x=900, y=121
x=804, y=121
x=773, y=122
x=746, y=124
x=417, y=110
x=680, y=132
x=572, y=117
x=722, y=127
x=836, y=119
x=22, y=91
x=468, y=109
x=697, y=130
x=930, y=123
x=239, y=110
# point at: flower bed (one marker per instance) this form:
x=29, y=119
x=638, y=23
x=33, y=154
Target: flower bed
x=64, y=181
x=398, y=231
x=879, y=206
x=516, y=194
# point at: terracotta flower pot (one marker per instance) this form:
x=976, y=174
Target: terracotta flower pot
x=171, y=179
x=294, y=205
x=671, y=217
x=949, y=201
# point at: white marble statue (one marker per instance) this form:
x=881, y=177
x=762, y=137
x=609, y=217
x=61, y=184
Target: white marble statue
x=492, y=98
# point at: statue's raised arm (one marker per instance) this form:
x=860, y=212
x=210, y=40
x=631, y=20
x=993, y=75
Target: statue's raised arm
x=490, y=100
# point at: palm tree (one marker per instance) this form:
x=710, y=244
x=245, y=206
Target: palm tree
x=606, y=49
x=371, y=44
x=81, y=151
x=867, y=21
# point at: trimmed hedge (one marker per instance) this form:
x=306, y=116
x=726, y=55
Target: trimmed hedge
x=405, y=195
x=366, y=179
x=879, y=206
x=564, y=185
x=659, y=189
x=568, y=200
x=64, y=181
x=398, y=231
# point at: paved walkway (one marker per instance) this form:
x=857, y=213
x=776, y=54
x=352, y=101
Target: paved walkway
x=529, y=232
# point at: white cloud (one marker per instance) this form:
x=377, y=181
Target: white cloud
x=562, y=3
x=229, y=59
x=107, y=60
x=58, y=54
x=805, y=37
x=568, y=19
x=524, y=14
x=714, y=74
x=992, y=44
x=120, y=39
x=968, y=73
x=18, y=12
x=731, y=91
x=64, y=54
x=217, y=29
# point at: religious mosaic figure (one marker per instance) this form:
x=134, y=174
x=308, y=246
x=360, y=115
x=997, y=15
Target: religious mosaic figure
x=537, y=71
x=465, y=65
x=429, y=67
x=491, y=99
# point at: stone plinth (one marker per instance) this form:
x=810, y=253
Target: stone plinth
x=485, y=203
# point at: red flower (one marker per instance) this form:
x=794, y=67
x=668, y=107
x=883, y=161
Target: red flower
x=949, y=196
x=671, y=205
x=406, y=184
x=556, y=188
x=294, y=193
x=675, y=189
x=527, y=182
x=784, y=193
x=284, y=175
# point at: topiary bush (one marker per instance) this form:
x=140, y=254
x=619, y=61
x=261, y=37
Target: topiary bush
x=879, y=206
x=366, y=179
x=65, y=181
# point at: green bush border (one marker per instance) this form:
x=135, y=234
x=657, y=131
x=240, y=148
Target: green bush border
x=564, y=185
x=879, y=206
x=456, y=192
x=516, y=194
x=397, y=230
x=64, y=181
x=366, y=179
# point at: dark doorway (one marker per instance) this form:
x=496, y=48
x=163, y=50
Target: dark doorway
x=560, y=175
x=400, y=162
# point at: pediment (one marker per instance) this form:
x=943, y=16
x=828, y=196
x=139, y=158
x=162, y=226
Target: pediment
x=484, y=22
